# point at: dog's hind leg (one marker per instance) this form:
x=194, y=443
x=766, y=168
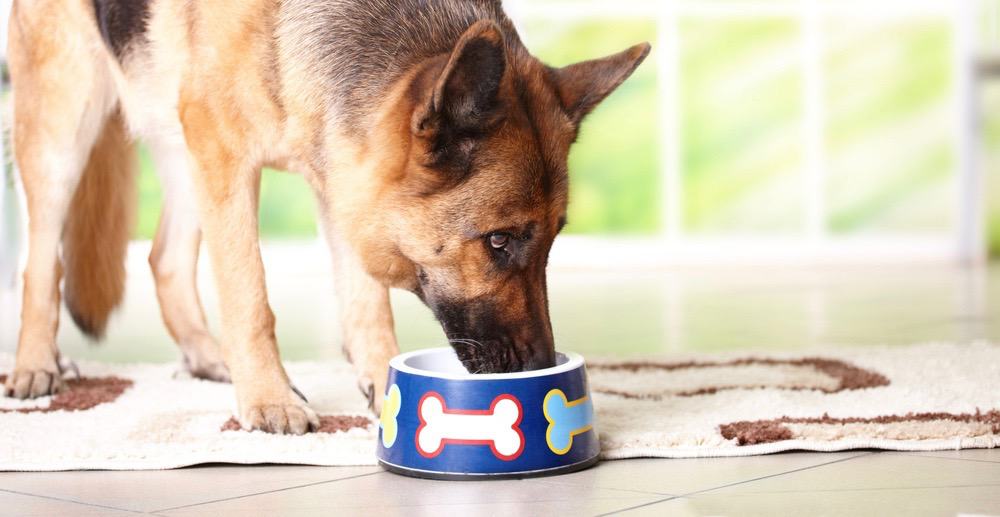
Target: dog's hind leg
x=174, y=261
x=366, y=321
x=62, y=97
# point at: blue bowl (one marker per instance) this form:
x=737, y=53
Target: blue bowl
x=438, y=421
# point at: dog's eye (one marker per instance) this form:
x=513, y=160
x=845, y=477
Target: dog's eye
x=498, y=241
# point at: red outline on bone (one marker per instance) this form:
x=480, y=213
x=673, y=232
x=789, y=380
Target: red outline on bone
x=474, y=413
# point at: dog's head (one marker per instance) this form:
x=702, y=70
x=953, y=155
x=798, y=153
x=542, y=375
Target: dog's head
x=485, y=190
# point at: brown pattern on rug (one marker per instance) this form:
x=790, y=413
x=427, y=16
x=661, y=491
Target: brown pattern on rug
x=847, y=376
x=80, y=394
x=327, y=424
x=776, y=430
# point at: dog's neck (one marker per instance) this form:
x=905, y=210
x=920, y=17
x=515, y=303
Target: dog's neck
x=364, y=171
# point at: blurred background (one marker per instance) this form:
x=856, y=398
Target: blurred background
x=778, y=174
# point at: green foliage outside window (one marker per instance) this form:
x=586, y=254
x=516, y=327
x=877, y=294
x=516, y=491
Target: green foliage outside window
x=889, y=155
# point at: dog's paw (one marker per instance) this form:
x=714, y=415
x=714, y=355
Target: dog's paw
x=209, y=371
x=288, y=418
x=24, y=384
x=203, y=360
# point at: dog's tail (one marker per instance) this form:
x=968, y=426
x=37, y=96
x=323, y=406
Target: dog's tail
x=98, y=226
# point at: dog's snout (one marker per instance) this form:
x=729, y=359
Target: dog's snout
x=490, y=337
x=502, y=356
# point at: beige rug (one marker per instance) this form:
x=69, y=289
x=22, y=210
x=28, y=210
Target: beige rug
x=926, y=397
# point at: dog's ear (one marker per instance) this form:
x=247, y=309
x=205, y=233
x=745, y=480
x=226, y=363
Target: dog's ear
x=464, y=102
x=581, y=87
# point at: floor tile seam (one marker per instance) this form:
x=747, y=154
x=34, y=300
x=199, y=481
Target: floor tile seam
x=871, y=489
x=600, y=487
x=72, y=501
x=306, y=485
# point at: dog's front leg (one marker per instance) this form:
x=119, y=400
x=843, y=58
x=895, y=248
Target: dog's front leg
x=227, y=196
x=366, y=319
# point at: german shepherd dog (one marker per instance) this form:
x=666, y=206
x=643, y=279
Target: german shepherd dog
x=436, y=146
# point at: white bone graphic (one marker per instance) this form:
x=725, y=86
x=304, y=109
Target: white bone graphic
x=496, y=427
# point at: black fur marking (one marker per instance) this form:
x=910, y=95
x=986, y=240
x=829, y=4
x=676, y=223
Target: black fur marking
x=471, y=91
x=467, y=107
x=483, y=342
x=359, y=48
x=121, y=22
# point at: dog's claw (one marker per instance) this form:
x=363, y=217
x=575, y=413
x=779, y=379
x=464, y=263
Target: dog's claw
x=367, y=389
x=299, y=393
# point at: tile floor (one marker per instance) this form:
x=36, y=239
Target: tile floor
x=852, y=484
x=596, y=313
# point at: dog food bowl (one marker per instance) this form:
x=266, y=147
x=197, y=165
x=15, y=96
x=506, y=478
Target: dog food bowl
x=438, y=421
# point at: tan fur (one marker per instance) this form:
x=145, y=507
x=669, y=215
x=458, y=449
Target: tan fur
x=97, y=230
x=220, y=90
x=62, y=98
x=174, y=262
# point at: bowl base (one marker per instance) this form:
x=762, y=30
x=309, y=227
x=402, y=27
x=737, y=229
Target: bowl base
x=452, y=476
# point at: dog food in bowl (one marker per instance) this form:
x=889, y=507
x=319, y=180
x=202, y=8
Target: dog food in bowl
x=438, y=421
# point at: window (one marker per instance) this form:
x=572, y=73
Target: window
x=802, y=126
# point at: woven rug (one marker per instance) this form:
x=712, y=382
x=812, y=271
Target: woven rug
x=925, y=397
